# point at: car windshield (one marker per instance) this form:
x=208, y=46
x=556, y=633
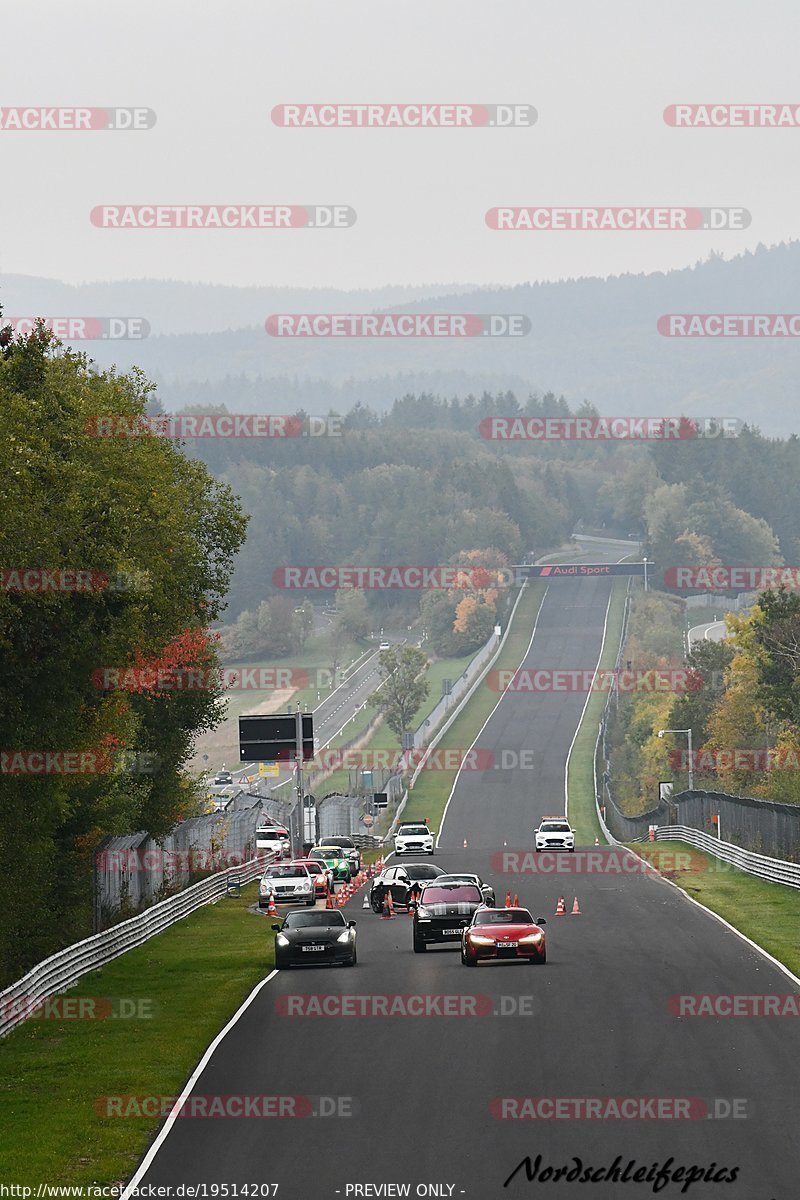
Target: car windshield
x=287, y=872
x=312, y=920
x=503, y=916
x=328, y=852
x=554, y=827
x=458, y=879
x=414, y=831
x=452, y=893
x=342, y=842
x=312, y=865
x=422, y=871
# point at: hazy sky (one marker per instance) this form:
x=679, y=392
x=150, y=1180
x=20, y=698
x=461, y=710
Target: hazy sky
x=599, y=76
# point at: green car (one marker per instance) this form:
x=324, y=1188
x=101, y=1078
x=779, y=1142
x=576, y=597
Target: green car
x=335, y=858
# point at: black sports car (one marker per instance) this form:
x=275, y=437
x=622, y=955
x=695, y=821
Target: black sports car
x=444, y=910
x=401, y=880
x=470, y=877
x=312, y=938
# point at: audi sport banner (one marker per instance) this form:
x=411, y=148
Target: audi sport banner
x=556, y=570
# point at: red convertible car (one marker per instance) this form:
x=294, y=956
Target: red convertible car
x=503, y=933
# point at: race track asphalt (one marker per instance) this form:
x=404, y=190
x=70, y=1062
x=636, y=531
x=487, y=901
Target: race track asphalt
x=418, y=1099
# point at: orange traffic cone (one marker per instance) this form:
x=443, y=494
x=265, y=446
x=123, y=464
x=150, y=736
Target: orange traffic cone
x=329, y=901
x=388, y=907
x=508, y=899
x=516, y=901
x=271, y=908
x=597, y=841
x=576, y=912
x=366, y=900
x=465, y=843
x=561, y=907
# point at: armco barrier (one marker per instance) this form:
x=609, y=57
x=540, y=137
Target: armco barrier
x=65, y=968
x=773, y=869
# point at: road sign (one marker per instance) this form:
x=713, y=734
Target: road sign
x=367, y=820
x=273, y=738
x=380, y=799
x=272, y=770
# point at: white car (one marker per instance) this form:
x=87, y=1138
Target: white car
x=270, y=837
x=554, y=833
x=413, y=839
x=291, y=883
x=385, y=646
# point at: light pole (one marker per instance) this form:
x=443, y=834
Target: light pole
x=644, y=561
x=688, y=733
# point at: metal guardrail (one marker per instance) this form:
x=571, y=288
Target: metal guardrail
x=776, y=870
x=65, y=968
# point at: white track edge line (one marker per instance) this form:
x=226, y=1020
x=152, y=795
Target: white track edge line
x=192, y=1080
x=579, y=726
x=710, y=912
x=488, y=719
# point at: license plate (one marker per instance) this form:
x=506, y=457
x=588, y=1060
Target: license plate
x=445, y=931
x=308, y=948
x=507, y=945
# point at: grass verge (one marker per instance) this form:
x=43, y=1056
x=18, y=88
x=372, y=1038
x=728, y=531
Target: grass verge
x=190, y=979
x=767, y=913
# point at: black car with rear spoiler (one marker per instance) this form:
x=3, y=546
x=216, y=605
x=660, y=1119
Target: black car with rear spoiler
x=443, y=911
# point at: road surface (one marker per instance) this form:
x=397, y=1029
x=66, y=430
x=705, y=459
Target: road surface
x=595, y=1022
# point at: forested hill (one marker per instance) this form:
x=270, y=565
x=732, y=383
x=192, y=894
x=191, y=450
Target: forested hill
x=594, y=339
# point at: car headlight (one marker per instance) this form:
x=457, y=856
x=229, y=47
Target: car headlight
x=305, y=886
x=263, y=888
x=423, y=912
x=532, y=939
x=479, y=939
x=281, y=939
x=345, y=936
